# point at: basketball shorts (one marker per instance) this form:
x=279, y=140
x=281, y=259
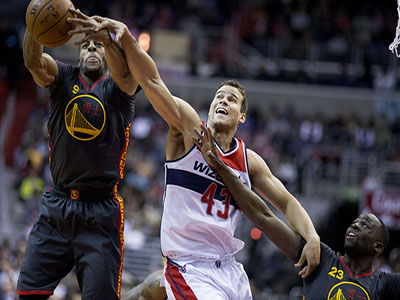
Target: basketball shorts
x=223, y=279
x=87, y=234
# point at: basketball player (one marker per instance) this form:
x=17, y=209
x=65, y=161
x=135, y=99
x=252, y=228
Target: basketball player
x=200, y=216
x=337, y=277
x=81, y=220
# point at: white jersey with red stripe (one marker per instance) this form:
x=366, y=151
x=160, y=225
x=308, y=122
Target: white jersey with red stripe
x=200, y=216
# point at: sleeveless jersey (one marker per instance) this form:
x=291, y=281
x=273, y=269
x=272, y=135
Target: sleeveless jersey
x=333, y=280
x=200, y=216
x=88, y=130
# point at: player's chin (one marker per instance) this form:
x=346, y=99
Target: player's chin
x=93, y=67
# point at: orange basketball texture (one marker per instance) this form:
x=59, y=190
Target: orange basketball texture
x=46, y=21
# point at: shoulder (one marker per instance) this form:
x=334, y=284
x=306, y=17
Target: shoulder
x=327, y=252
x=66, y=70
x=257, y=165
x=253, y=157
x=390, y=284
x=66, y=75
x=65, y=67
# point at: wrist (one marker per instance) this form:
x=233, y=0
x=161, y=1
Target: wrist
x=314, y=238
x=107, y=41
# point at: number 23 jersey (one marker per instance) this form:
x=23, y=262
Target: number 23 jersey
x=200, y=216
x=333, y=280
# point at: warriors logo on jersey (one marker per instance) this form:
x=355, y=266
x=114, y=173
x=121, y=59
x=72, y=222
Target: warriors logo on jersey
x=348, y=291
x=85, y=117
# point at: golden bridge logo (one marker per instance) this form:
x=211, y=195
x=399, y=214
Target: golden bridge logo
x=347, y=290
x=85, y=117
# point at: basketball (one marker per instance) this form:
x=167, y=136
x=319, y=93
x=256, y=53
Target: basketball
x=46, y=21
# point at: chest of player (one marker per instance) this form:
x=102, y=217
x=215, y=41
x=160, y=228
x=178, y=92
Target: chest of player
x=335, y=281
x=85, y=114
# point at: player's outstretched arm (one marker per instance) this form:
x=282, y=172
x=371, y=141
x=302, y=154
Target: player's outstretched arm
x=41, y=65
x=176, y=112
x=115, y=57
x=270, y=188
x=249, y=202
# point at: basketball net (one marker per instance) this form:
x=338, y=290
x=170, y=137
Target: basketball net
x=393, y=46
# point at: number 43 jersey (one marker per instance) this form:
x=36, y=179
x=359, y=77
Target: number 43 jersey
x=200, y=216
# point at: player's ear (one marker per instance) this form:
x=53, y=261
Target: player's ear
x=378, y=246
x=242, y=118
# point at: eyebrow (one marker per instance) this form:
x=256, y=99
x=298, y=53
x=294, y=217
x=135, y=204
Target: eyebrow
x=223, y=92
x=368, y=220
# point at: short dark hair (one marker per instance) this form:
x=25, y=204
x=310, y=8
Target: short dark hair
x=384, y=233
x=236, y=84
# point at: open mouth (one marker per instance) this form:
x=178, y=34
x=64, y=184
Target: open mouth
x=221, y=110
x=351, y=235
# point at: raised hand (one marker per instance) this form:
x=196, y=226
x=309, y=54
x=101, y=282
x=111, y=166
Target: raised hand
x=207, y=147
x=311, y=254
x=115, y=27
x=89, y=26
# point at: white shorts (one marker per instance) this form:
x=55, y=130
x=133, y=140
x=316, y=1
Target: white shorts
x=223, y=279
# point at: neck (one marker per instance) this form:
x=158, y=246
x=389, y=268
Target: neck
x=91, y=77
x=223, y=138
x=359, y=265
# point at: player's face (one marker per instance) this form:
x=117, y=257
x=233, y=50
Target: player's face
x=225, y=107
x=361, y=236
x=92, y=57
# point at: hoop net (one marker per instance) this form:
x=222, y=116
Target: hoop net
x=393, y=46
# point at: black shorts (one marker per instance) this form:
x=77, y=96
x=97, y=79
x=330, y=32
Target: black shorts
x=85, y=233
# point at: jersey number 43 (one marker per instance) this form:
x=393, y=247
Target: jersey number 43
x=208, y=198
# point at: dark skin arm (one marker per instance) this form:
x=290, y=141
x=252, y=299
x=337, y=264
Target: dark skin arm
x=41, y=65
x=249, y=202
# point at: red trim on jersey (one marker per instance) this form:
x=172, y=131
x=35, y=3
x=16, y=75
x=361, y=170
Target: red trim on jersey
x=237, y=159
x=351, y=274
x=121, y=235
x=344, y=264
x=122, y=159
x=179, y=287
x=365, y=274
x=83, y=81
x=48, y=134
x=121, y=207
x=91, y=89
x=28, y=293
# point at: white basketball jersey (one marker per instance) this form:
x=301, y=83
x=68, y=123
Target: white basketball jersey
x=200, y=216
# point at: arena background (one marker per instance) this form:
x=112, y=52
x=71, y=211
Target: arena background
x=324, y=112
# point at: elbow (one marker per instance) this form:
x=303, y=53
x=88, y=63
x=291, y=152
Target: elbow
x=31, y=64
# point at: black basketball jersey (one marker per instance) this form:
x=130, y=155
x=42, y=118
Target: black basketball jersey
x=333, y=280
x=88, y=129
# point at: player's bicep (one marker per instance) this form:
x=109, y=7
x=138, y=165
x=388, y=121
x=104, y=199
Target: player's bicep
x=188, y=119
x=45, y=72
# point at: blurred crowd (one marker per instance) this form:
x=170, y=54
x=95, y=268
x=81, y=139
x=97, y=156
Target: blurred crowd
x=290, y=36
x=280, y=136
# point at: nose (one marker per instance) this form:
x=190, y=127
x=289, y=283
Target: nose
x=355, y=226
x=91, y=47
x=222, y=100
